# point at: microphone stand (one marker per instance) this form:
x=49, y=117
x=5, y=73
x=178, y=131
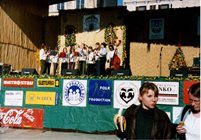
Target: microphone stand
x=160, y=61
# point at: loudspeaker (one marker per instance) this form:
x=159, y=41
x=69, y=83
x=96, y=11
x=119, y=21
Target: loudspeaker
x=179, y=73
x=123, y=72
x=29, y=71
x=66, y=72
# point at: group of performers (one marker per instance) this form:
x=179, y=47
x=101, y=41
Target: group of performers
x=86, y=59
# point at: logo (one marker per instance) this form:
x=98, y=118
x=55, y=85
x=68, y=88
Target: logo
x=21, y=117
x=74, y=92
x=126, y=93
x=40, y=98
x=47, y=83
x=17, y=82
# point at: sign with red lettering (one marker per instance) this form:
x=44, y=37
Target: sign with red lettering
x=18, y=82
x=21, y=117
x=186, y=87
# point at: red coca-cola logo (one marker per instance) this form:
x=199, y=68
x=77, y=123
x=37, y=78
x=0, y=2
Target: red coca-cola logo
x=19, y=117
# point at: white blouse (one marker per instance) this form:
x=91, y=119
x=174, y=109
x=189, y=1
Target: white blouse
x=192, y=125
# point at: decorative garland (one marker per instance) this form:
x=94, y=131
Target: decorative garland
x=143, y=78
x=70, y=39
x=110, y=34
x=124, y=55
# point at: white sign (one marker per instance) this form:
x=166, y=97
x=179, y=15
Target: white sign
x=156, y=28
x=176, y=112
x=13, y=98
x=168, y=93
x=126, y=93
x=74, y=93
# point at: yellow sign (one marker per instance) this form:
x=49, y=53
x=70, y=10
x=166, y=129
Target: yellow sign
x=47, y=83
x=40, y=98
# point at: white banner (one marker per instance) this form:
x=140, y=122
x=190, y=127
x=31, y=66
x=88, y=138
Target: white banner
x=13, y=98
x=168, y=93
x=74, y=93
x=126, y=93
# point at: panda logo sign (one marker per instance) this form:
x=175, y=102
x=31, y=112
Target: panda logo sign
x=126, y=93
x=74, y=93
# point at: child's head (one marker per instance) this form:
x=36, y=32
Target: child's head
x=148, y=95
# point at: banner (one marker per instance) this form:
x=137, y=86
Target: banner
x=13, y=98
x=126, y=93
x=168, y=93
x=186, y=87
x=47, y=83
x=156, y=28
x=40, y=98
x=18, y=82
x=74, y=93
x=91, y=23
x=21, y=117
x=100, y=92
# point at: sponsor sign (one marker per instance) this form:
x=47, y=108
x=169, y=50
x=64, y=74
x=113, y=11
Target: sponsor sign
x=100, y=92
x=168, y=93
x=47, y=83
x=40, y=98
x=21, y=117
x=126, y=93
x=74, y=93
x=18, y=82
x=186, y=87
x=13, y=98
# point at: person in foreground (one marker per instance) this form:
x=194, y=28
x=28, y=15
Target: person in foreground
x=145, y=121
x=189, y=119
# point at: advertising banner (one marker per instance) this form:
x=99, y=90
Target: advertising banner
x=186, y=87
x=21, y=117
x=18, y=82
x=13, y=98
x=47, y=83
x=126, y=93
x=40, y=98
x=74, y=93
x=168, y=93
x=100, y=92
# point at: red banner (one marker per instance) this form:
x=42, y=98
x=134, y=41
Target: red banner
x=22, y=117
x=18, y=82
x=186, y=87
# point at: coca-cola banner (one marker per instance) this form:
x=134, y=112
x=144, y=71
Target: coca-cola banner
x=18, y=82
x=21, y=117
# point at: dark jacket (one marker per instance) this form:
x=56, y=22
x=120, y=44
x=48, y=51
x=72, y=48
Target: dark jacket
x=161, y=128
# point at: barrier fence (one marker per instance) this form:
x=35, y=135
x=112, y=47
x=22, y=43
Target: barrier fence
x=80, y=104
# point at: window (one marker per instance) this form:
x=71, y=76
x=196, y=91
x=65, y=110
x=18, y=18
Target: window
x=164, y=6
x=141, y=8
x=79, y=4
x=60, y=6
x=152, y=7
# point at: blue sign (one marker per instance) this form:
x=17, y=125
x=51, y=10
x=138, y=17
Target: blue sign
x=100, y=92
